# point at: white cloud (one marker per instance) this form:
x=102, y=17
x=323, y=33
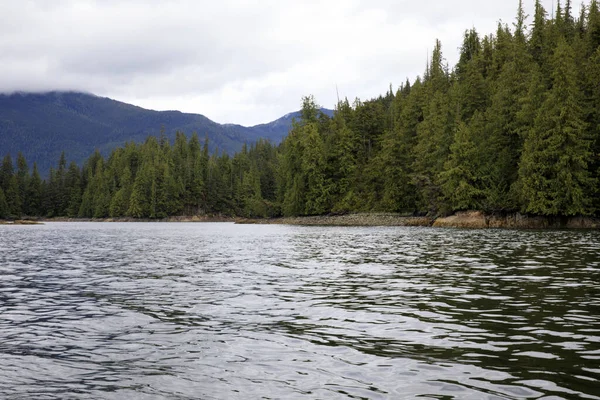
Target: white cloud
x=234, y=61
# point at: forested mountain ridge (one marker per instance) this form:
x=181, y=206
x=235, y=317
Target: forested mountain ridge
x=42, y=125
x=513, y=127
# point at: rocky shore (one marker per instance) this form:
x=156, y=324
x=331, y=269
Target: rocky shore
x=187, y=218
x=477, y=219
x=179, y=218
x=361, y=219
x=20, y=222
x=465, y=219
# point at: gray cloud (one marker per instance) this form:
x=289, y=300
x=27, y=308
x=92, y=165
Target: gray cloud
x=236, y=60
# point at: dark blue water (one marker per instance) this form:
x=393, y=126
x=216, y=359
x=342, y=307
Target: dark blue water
x=223, y=311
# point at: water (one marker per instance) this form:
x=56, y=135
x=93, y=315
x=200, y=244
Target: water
x=223, y=311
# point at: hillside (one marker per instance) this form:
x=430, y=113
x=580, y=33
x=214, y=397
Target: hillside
x=512, y=129
x=42, y=125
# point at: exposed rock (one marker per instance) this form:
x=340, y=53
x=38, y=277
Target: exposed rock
x=477, y=219
x=181, y=218
x=362, y=219
x=463, y=219
x=20, y=222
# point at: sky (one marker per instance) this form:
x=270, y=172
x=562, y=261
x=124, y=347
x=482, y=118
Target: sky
x=234, y=61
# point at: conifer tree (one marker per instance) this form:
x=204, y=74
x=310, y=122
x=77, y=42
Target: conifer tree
x=396, y=157
x=538, y=42
x=86, y=208
x=553, y=175
x=100, y=191
x=61, y=193
x=462, y=172
x=34, y=193
x=520, y=24
x=139, y=205
x=195, y=188
x=592, y=116
x=342, y=159
x=471, y=86
x=514, y=101
x=22, y=183
x=120, y=200
x=313, y=169
x=6, y=171
x=73, y=188
x=10, y=186
x=592, y=27
x=13, y=197
x=434, y=136
x=254, y=205
x=264, y=158
x=4, y=212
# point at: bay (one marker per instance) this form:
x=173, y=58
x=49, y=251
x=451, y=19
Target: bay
x=224, y=311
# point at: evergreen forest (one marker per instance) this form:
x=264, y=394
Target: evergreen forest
x=514, y=126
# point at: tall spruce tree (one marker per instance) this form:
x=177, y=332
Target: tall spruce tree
x=462, y=172
x=4, y=211
x=34, y=193
x=553, y=174
x=22, y=183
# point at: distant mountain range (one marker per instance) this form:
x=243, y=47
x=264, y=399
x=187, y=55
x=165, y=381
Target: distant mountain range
x=42, y=125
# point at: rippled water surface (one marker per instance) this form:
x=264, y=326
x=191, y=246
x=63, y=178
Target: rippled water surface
x=223, y=311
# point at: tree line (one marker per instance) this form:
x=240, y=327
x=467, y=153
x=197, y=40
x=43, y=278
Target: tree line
x=514, y=126
x=153, y=180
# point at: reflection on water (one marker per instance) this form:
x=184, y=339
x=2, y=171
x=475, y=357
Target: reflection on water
x=221, y=311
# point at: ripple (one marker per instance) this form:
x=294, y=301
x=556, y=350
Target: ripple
x=220, y=311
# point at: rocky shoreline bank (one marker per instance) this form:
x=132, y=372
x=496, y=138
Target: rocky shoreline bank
x=186, y=218
x=179, y=218
x=479, y=220
x=464, y=219
x=20, y=222
x=361, y=219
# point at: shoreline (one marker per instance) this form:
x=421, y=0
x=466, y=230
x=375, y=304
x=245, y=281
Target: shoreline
x=479, y=220
x=185, y=218
x=358, y=219
x=462, y=219
x=20, y=222
x=178, y=218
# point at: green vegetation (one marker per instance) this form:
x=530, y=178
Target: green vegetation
x=514, y=126
x=42, y=125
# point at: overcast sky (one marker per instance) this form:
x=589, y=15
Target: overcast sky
x=234, y=61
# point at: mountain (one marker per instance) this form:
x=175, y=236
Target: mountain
x=42, y=125
x=278, y=129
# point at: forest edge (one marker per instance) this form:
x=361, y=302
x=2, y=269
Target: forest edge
x=462, y=219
